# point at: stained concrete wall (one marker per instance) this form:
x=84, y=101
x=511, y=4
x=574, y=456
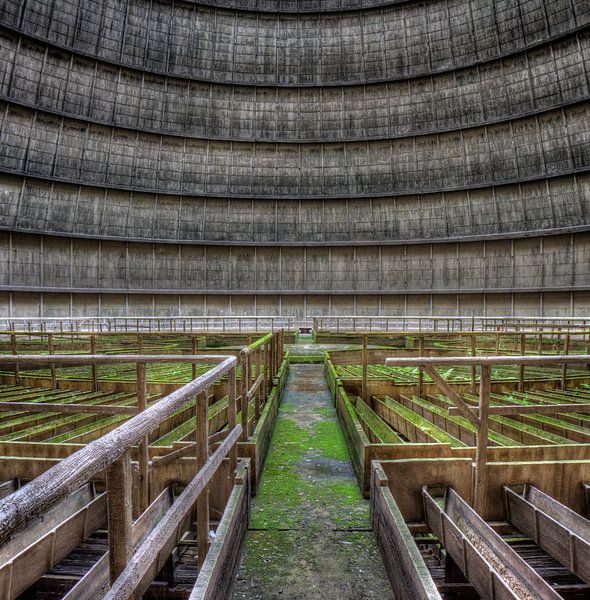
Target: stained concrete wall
x=538, y=263
x=58, y=81
x=545, y=206
x=254, y=156
x=70, y=150
x=396, y=41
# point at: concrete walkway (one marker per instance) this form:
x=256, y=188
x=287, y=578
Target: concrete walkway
x=310, y=534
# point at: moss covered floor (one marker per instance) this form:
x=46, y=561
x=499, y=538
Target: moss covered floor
x=310, y=534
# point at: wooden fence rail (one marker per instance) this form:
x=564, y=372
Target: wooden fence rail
x=479, y=416
x=112, y=454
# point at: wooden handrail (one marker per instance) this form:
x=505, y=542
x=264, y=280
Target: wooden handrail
x=480, y=417
x=545, y=359
x=33, y=499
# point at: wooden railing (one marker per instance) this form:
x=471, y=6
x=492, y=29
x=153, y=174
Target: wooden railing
x=479, y=416
x=111, y=454
x=364, y=324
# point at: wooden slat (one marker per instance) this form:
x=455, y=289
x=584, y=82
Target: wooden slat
x=561, y=532
x=97, y=579
x=537, y=409
x=48, y=540
x=488, y=562
x=67, y=408
x=152, y=554
x=404, y=563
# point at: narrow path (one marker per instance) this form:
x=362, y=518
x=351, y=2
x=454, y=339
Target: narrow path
x=310, y=533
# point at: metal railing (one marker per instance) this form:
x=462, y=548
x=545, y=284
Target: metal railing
x=215, y=324
x=450, y=324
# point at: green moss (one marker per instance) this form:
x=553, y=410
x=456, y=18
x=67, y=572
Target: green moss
x=329, y=440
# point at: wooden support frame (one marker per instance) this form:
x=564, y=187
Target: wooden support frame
x=481, y=418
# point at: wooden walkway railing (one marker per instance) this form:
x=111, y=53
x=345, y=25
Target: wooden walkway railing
x=112, y=454
x=479, y=416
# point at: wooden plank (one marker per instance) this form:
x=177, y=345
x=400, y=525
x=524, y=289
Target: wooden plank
x=94, y=582
x=525, y=409
x=202, y=438
x=404, y=564
x=561, y=532
x=49, y=539
x=152, y=554
x=67, y=408
x=546, y=359
x=448, y=391
x=216, y=575
x=488, y=562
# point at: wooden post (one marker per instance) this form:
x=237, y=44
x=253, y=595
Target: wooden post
x=231, y=417
x=364, y=390
x=119, y=514
x=540, y=344
x=481, y=451
x=93, y=367
x=420, y=369
x=142, y=447
x=257, y=362
x=13, y=348
x=497, y=350
x=52, y=365
x=202, y=434
x=473, y=348
x=521, y=368
x=194, y=348
x=244, y=378
x=566, y=350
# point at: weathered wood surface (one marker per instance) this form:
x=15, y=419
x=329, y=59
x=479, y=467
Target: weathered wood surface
x=405, y=567
x=152, y=554
x=525, y=409
x=49, y=539
x=66, y=408
x=216, y=575
x=33, y=499
x=561, y=532
x=97, y=579
x=546, y=359
x=495, y=570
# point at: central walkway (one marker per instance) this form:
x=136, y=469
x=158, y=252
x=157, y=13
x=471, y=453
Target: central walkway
x=310, y=533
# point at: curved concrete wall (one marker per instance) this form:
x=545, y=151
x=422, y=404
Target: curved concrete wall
x=545, y=206
x=64, y=83
x=295, y=156
x=552, y=263
x=393, y=42
x=74, y=151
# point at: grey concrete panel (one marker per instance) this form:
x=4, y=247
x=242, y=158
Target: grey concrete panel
x=385, y=43
x=43, y=145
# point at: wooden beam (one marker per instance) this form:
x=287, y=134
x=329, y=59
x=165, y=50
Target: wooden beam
x=39, y=407
x=481, y=450
x=546, y=359
x=119, y=504
x=540, y=409
x=202, y=437
x=448, y=391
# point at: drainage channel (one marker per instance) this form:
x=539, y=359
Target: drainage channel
x=310, y=533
